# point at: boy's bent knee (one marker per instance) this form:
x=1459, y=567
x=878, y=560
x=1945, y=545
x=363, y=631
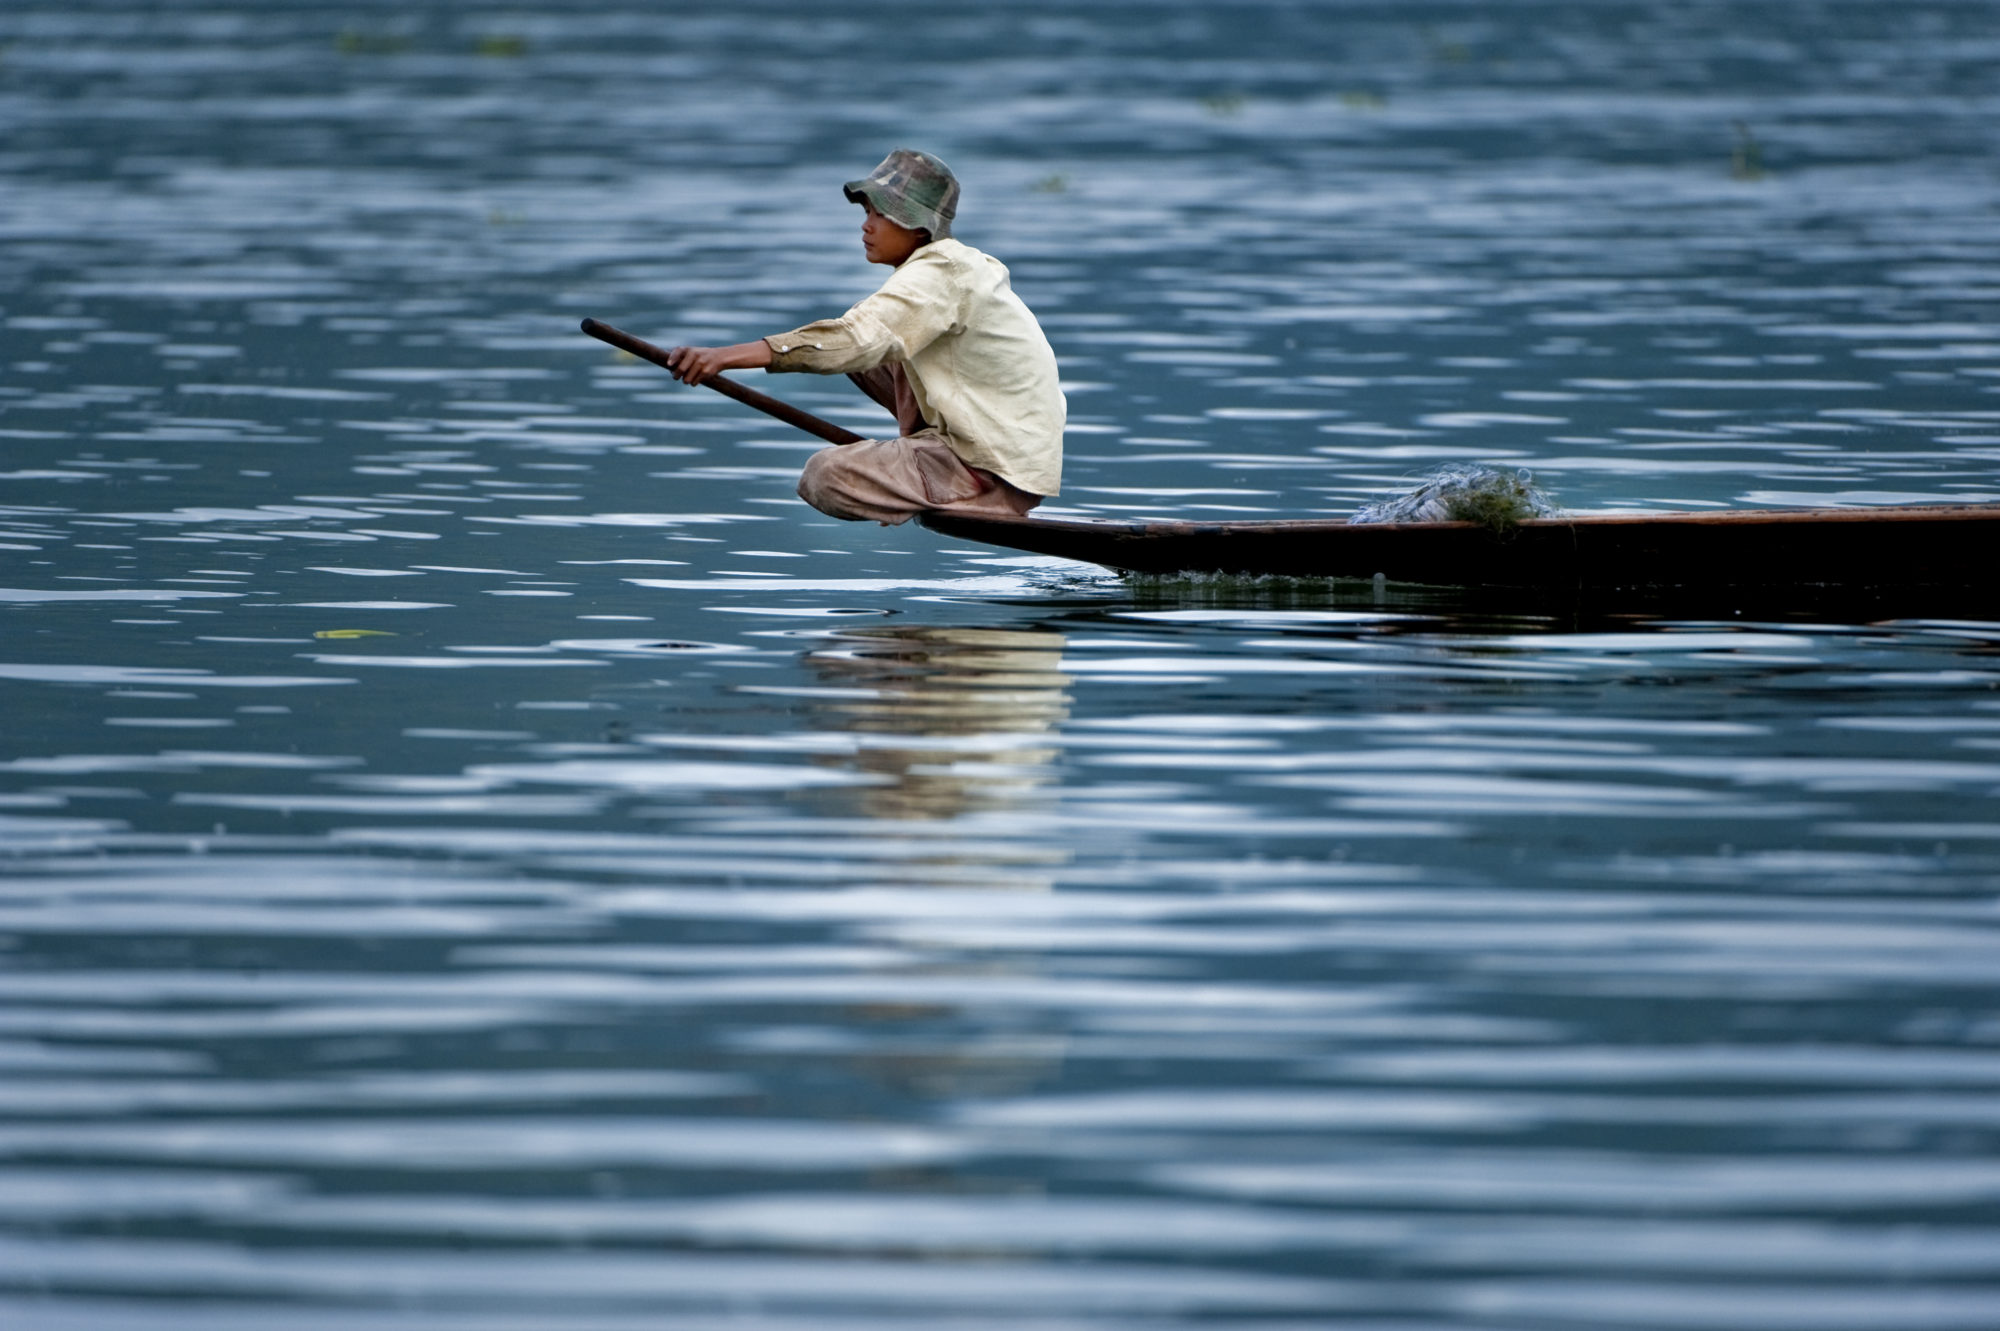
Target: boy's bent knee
x=817, y=487
x=839, y=483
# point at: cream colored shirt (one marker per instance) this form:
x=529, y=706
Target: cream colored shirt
x=983, y=374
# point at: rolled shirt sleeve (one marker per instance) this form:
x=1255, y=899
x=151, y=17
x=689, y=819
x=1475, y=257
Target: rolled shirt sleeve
x=917, y=305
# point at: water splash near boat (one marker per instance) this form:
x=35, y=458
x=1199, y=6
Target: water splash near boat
x=1458, y=492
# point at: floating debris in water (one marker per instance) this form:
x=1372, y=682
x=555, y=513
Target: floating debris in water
x=353, y=41
x=1746, y=161
x=1494, y=499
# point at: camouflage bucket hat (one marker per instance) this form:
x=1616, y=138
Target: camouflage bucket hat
x=911, y=189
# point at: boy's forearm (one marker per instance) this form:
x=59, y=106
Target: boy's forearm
x=698, y=365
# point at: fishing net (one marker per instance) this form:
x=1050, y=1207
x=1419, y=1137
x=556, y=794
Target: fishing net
x=1494, y=499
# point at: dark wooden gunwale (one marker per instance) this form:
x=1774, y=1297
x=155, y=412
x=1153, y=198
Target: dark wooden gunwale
x=1908, y=545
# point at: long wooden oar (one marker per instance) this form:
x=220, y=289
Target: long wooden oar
x=749, y=397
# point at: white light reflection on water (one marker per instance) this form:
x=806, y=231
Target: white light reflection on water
x=686, y=908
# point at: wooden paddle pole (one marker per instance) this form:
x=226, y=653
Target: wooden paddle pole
x=749, y=397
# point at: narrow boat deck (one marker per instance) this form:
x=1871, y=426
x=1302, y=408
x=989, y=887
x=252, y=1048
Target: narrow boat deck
x=1931, y=545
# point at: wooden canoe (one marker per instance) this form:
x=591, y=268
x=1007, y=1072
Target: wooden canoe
x=1930, y=545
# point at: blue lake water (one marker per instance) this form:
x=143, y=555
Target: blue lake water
x=475, y=851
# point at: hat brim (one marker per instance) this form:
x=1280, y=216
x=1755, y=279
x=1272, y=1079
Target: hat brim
x=872, y=195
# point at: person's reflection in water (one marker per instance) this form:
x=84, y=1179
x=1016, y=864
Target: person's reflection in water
x=951, y=716
x=956, y=721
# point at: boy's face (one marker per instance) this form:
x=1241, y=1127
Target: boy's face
x=887, y=242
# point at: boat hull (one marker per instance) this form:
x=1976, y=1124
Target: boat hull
x=1907, y=546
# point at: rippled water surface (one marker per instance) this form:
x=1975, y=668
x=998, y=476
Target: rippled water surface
x=478, y=852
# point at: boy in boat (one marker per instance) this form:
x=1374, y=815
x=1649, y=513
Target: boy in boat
x=945, y=345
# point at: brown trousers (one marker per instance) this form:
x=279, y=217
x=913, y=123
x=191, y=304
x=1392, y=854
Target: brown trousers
x=892, y=480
